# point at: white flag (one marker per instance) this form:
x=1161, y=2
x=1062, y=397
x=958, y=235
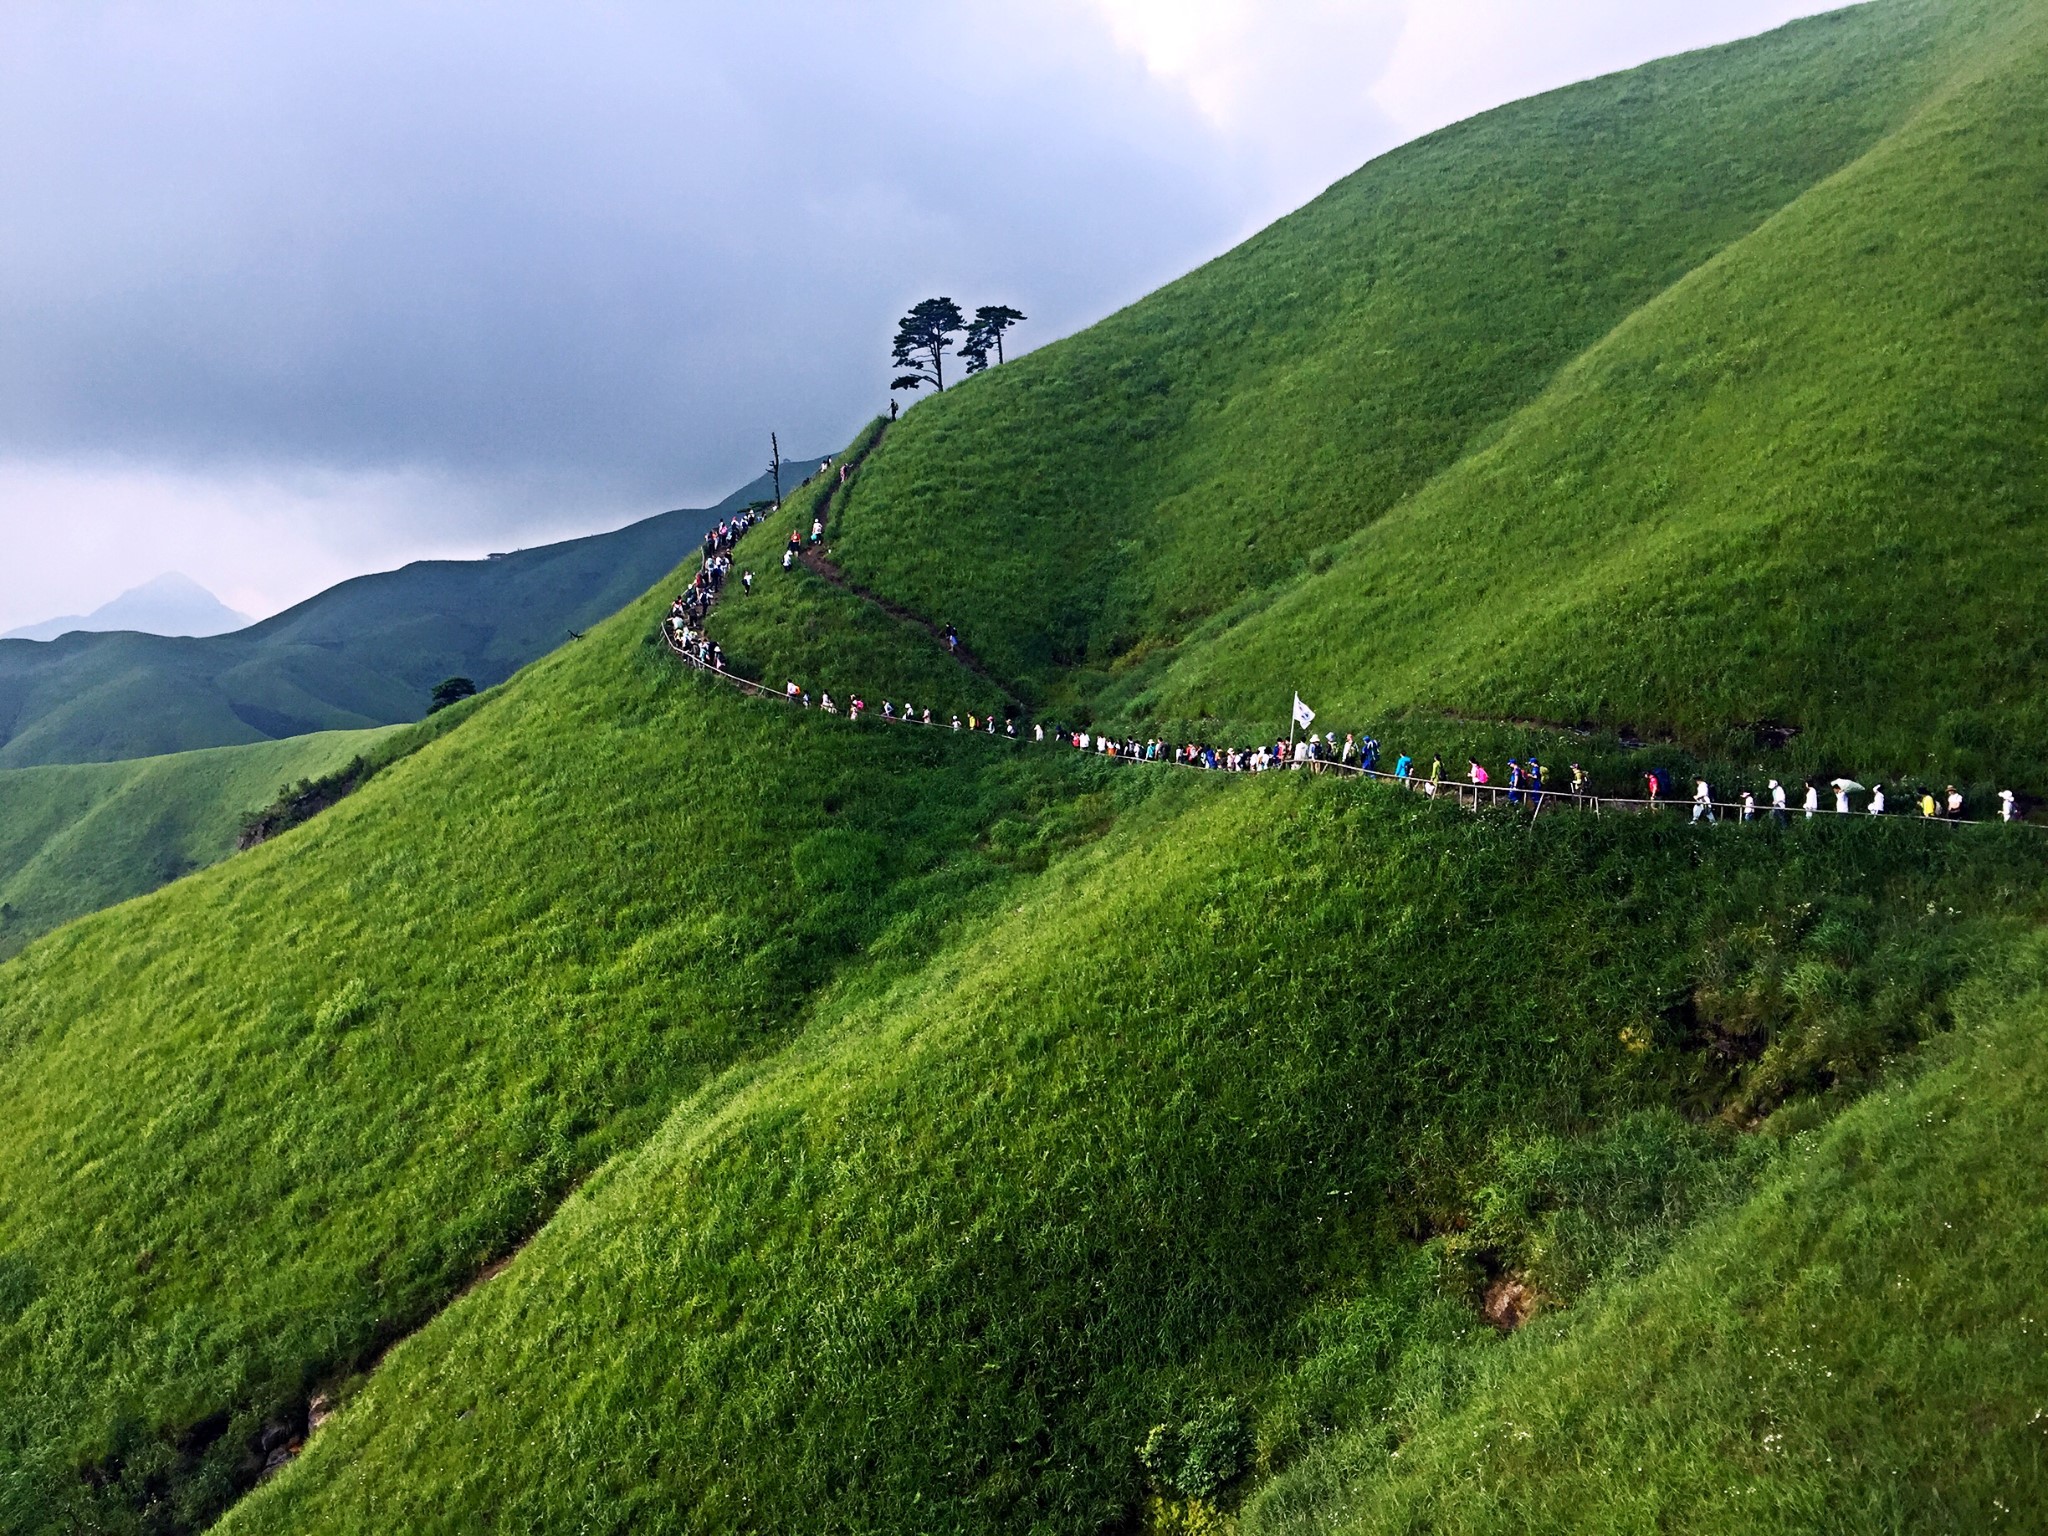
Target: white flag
x=1303, y=715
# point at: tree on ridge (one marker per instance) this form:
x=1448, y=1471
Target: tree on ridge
x=985, y=330
x=923, y=338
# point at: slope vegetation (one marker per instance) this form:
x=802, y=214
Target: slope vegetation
x=364, y=653
x=76, y=838
x=1804, y=486
x=273, y=1116
x=1203, y=444
x=1855, y=1349
x=653, y=1108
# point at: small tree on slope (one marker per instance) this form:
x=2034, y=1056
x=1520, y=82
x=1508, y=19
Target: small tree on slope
x=985, y=330
x=923, y=338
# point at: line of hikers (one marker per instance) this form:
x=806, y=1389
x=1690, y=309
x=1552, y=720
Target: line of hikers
x=1526, y=780
x=686, y=614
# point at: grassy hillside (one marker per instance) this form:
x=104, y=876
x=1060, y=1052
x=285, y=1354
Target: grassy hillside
x=943, y=1263
x=1857, y=1348
x=1804, y=486
x=272, y=1116
x=649, y=1108
x=78, y=837
x=364, y=653
x=1677, y=403
x=1087, y=505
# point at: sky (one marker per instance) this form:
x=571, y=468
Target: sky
x=289, y=292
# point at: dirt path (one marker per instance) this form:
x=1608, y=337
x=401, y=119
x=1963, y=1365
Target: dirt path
x=813, y=559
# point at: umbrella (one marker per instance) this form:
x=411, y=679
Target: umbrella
x=1845, y=784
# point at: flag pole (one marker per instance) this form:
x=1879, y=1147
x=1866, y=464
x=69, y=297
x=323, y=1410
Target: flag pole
x=1291, y=723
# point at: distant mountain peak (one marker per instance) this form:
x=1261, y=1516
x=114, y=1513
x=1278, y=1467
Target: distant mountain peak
x=170, y=604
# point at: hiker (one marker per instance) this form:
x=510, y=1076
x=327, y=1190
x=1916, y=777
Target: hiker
x=1401, y=764
x=1514, y=782
x=1777, y=802
x=956, y=722
x=1578, y=783
x=747, y=581
x=1955, y=803
x=1535, y=783
x=952, y=637
x=1812, y=799
x=825, y=703
x=788, y=558
x=1841, y=799
x=1877, y=799
x=1655, y=784
x=856, y=707
x=1038, y=733
x=1927, y=806
x=1368, y=754
x=817, y=529
x=2006, y=801
x=1350, y=749
x=1702, y=800
x=1436, y=772
x=792, y=690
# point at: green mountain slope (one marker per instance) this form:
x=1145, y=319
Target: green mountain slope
x=76, y=838
x=1092, y=502
x=270, y=1117
x=364, y=653
x=944, y=1264
x=1855, y=1349
x=648, y=1107
x=1804, y=486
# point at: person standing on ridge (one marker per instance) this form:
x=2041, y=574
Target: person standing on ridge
x=1777, y=802
x=1841, y=799
x=2006, y=802
x=1702, y=800
x=1748, y=806
x=1927, y=806
x=1812, y=799
x=1877, y=799
x=1955, y=803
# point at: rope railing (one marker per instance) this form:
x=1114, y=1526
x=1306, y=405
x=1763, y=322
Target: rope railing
x=1461, y=792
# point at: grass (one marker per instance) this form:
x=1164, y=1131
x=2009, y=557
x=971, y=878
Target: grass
x=76, y=838
x=1801, y=487
x=1105, y=1157
x=649, y=1108
x=271, y=1117
x=1855, y=1349
x=1082, y=510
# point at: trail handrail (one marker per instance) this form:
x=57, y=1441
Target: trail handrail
x=1461, y=791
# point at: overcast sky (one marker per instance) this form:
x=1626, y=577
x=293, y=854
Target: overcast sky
x=293, y=291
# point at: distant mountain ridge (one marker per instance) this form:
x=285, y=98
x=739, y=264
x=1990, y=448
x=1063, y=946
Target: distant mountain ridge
x=365, y=652
x=171, y=604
